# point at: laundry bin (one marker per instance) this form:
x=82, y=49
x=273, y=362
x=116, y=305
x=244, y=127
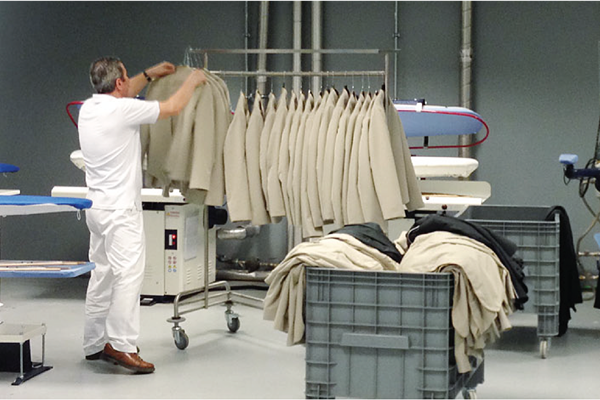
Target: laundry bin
x=538, y=244
x=382, y=335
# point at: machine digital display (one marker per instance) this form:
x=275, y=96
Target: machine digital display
x=170, y=239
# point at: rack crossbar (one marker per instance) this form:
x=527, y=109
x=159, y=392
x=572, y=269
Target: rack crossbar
x=298, y=73
x=291, y=51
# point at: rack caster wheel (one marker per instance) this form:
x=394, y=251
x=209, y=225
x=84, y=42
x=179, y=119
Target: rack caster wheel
x=544, y=345
x=233, y=325
x=469, y=394
x=181, y=339
x=179, y=336
x=233, y=320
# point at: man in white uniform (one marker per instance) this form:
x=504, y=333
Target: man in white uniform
x=109, y=135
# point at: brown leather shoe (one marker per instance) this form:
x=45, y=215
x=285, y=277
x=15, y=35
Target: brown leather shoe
x=97, y=356
x=128, y=360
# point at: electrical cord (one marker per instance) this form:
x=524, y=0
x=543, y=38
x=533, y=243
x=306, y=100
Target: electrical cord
x=584, y=183
x=587, y=231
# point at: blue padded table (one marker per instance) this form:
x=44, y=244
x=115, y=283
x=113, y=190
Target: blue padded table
x=26, y=205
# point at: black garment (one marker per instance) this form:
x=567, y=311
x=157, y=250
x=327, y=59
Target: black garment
x=570, y=287
x=504, y=248
x=371, y=235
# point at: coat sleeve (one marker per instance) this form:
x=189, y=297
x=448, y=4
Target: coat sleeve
x=312, y=184
x=366, y=188
x=411, y=194
x=216, y=193
x=275, y=195
x=347, y=153
x=338, y=164
x=264, y=144
x=236, y=178
x=283, y=160
x=383, y=168
x=328, y=157
x=252, y=144
x=353, y=207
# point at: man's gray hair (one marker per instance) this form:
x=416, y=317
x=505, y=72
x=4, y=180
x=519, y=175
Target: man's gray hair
x=104, y=73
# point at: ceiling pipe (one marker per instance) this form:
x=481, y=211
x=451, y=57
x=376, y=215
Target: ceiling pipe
x=263, y=28
x=466, y=59
x=297, y=45
x=316, y=43
x=246, y=41
x=396, y=42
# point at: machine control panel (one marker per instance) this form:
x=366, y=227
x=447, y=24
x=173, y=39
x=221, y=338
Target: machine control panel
x=172, y=263
x=171, y=239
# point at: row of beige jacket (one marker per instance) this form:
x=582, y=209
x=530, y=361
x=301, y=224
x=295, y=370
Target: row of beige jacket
x=483, y=291
x=186, y=151
x=335, y=158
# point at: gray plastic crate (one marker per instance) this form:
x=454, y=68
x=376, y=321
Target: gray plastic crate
x=381, y=335
x=538, y=243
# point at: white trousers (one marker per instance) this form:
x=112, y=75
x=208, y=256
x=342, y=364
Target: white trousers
x=112, y=305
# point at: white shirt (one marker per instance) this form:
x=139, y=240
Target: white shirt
x=109, y=136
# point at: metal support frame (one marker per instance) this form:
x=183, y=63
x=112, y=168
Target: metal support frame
x=20, y=334
x=184, y=301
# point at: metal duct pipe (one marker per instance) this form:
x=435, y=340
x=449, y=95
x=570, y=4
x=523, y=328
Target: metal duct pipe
x=297, y=45
x=246, y=39
x=263, y=28
x=316, y=43
x=239, y=233
x=396, y=40
x=466, y=58
x=294, y=234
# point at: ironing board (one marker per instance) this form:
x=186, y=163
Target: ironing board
x=450, y=167
x=422, y=120
x=425, y=120
x=8, y=168
x=27, y=205
x=21, y=333
x=44, y=269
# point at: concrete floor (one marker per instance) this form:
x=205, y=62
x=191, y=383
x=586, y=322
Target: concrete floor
x=255, y=362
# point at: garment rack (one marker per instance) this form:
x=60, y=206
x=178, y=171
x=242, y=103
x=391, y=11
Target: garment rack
x=227, y=296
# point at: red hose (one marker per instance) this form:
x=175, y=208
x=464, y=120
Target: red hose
x=73, y=103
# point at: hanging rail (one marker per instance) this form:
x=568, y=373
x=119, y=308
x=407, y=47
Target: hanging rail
x=385, y=53
x=302, y=73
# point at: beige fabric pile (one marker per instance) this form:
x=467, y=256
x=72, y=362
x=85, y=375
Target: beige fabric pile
x=285, y=298
x=483, y=291
x=483, y=294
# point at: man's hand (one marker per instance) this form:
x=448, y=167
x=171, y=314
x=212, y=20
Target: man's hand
x=162, y=69
x=174, y=104
x=198, y=77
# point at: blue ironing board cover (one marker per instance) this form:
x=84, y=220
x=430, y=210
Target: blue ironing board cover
x=24, y=204
x=8, y=168
x=426, y=120
x=66, y=271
